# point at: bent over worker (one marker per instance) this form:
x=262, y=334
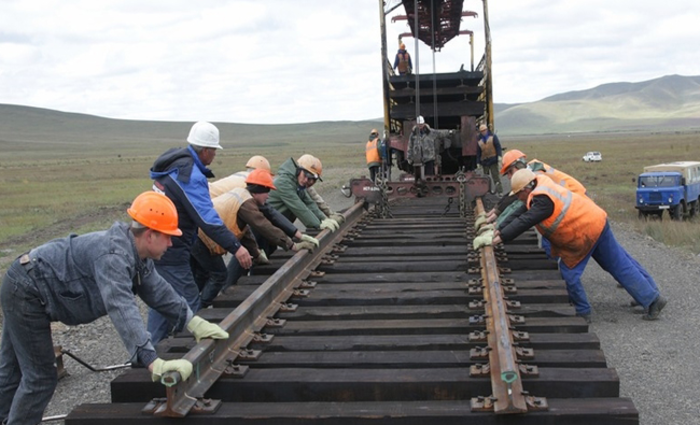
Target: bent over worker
x=292, y=199
x=310, y=161
x=242, y=210
x=181, y=174
x=221, y=186
x=76, y=280
x=578, y=229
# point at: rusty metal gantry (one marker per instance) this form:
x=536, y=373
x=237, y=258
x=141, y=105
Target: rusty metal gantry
x=438, y=21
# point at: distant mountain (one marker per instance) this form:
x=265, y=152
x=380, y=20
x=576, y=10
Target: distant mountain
x=666, y=103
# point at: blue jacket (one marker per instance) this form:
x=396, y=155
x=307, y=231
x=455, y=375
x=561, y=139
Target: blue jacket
x=82, y=278
x=183, y=178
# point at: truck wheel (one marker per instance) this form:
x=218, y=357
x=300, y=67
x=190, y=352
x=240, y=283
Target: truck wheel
x=675, y=212
x=694, y=208
x=642, y=215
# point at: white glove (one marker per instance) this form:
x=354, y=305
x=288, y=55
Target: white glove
x=200, y=328
x=329, y=224
x=261, y=259
x=304, y=245
x=340, y=218
x=484, y=228
x=480, y=220
x=160, y=367
x=483, y=240
x=307, y=238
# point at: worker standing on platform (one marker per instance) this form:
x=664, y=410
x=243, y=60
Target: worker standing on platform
x=488, y=156
x=373, y=155
x=402, y=61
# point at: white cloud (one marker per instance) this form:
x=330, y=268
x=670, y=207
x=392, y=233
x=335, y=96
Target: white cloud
x=280, y=61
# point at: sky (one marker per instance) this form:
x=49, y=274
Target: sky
x=295, y=61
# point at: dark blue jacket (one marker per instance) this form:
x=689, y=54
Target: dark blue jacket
x=182, y=177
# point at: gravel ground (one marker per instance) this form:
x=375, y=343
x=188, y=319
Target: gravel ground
x=656, y=361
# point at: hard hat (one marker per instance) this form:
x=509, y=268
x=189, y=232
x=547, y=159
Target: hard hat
x=520, y=179
x=483, y=127
x=510, y=158
x=311, y=164
x=402, y=46
x=204, y=134
x=258, y=162
x=260, y=177
x=155, y=211
x=420, y=120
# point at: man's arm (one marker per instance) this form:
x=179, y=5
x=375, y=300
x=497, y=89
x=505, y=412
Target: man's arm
x=541, y=208
x=251, y=215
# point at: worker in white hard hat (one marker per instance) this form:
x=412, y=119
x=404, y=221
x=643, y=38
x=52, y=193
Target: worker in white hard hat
x=181, y=174
x=578, y=229
x=236, y=180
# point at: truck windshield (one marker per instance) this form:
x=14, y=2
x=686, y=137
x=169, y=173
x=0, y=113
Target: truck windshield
x=658, y=181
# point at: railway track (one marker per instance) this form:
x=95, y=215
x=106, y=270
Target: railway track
x=392, y=321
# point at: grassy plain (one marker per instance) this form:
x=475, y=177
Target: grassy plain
x=51, y=186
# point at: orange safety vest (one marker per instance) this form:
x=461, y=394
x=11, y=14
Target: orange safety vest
x=371, y=152
x=574, y=227
x=403, y=62
x=227, y=184
x=488, y=150
x=227, y=206
x=562, y=179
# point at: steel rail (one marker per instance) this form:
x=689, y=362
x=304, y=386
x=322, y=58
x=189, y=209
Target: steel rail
x=213, y=358
x=506, y=383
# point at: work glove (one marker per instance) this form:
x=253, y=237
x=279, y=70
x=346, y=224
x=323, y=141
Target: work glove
x=160, y=367
x=484, y=228
x=307, y=238
x=483, y=240
x=200, y=328
x=304, y=245
x=340, y=218
x=329, y=224
x=261, y=259
x=480, y=220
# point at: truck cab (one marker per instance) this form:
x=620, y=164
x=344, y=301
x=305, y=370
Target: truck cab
x=672, y=187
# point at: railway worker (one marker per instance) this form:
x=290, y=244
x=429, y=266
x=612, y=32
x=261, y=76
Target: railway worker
x=488, y=156
x=311, y=161
x=423, y=146
x=578, y=229
x=76, y=280
x=242, y=210
x=181, y=173
x=373, y=154
x=235, y=180
x=291, y=197
x=515, y=160
x=402, y=61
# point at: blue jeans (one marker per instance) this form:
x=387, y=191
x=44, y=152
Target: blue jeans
x=28, y=375
x=181, y=279
x=612, y=258
x=209, y=272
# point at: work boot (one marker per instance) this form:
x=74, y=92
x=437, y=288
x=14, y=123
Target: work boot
x=634, y=303
x=586, y=317
x=655, y=308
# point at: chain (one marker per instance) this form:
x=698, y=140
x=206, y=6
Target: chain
x=382, y=207
x=447, y=207
x=461, y=178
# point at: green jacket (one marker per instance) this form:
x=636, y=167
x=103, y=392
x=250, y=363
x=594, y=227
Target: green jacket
x=291, y=200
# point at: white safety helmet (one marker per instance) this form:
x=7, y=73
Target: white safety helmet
x=420, y=120
x=204, y=134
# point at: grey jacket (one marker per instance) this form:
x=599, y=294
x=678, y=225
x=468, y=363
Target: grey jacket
x=82, y=278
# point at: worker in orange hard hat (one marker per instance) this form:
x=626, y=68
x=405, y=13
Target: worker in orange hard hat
x=78, y=279
x=237, y=179
x=402, y=61
x=373, y=154
x=244, y=209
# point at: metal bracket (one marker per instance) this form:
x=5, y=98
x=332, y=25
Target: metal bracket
x=478, y=353
x=525, y=353
x=521, y=336
x=262, y=338
x=477, y=305
x=300, y=293
x=513, y=304
x=535, y=404
x=474, y=270
x=306, y=284
x=474, y=290
x=235, y=371
x=274, y=322
x=477, y=319
x=316, y=273
x=529, y=370
x=483, y=404
x=339, y=249
x=248, y=354
x=478, y=336
x=203, y=406
x=479, y=370
x=516, y=319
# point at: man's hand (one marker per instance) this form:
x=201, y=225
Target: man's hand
x=159, y=367
x=307, y=238
x=244, y=258
x=340, y=218
x=480, y=220
x=261, y=259
x=485, y=228
x=483, y=240
x=304, y=245
x=200, y=328
x=329, y=224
